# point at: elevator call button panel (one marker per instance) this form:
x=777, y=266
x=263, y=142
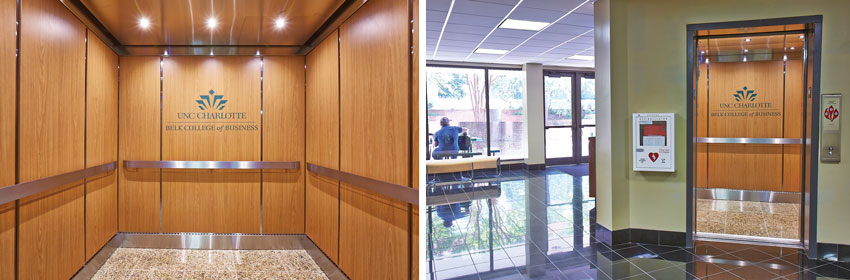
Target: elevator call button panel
x=654, y=142
x=830, y=128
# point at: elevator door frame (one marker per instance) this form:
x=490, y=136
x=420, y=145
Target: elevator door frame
x=808, y=223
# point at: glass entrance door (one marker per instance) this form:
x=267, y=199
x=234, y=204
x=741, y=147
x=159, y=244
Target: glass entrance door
x=569, y=115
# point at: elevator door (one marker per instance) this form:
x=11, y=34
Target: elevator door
x=749, y=128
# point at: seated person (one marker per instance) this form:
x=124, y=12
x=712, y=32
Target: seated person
x=445, y=140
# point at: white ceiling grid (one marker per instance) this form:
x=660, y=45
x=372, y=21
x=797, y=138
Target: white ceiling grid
x=474, y=24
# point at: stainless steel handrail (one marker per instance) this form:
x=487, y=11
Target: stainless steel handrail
x=772, y=141
x=184, y=164
x=21, y=190
x=395, y=191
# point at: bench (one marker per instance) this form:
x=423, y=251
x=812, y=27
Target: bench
x=460, y=165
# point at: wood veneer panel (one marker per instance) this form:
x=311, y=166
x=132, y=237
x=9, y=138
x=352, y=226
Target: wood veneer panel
x=702, y=126
x=8, y=42
x=415, y=152
x=7, y=240
x=101, y=143
x=745, y=166
x=794, y=93
x=283, y=140
x=374, y=99
x=139, y=138
x=322, y=104
x=51, y=139
x=205, y=201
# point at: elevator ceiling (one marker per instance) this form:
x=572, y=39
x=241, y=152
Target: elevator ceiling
x=239, y=23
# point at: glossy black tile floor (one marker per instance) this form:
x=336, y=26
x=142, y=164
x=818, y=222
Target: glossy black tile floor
x=538, y=225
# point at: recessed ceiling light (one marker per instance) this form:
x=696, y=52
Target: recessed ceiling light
x=490, y=51
x=279, y=23
x=211, y=23
x=581, y=57
x=523, y=24
x=144, y=23
x=748, y=39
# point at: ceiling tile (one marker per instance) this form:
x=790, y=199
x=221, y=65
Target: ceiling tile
x=438, y=5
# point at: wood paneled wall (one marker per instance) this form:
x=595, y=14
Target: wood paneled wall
x=374, y=47
x=750, y=166
x=415, y=152
x=139, y=107
x=101, y=143
x=322, y=197
x=204, y=201
x=8, y=58
x=283, y=140
x=51, y=139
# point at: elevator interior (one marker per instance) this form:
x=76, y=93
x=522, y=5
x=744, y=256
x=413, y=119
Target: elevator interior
x=751, y=112
x=206, y=130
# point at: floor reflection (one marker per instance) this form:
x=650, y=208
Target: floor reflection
x=540, y=225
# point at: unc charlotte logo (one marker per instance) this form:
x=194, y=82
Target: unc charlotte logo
x=745, y=95
x=217, y=101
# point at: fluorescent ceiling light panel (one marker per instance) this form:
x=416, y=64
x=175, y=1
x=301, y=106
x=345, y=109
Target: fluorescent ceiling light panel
x=523, y=24
x=490, y=51
x=581, y=57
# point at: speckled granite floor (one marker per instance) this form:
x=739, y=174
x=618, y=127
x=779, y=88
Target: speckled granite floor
x=763, y=219
x=130, y=263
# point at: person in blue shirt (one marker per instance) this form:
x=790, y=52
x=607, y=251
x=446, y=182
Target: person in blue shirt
x=445, y=139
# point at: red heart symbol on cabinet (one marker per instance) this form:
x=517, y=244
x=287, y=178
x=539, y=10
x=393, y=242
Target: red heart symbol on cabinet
x=653, y=156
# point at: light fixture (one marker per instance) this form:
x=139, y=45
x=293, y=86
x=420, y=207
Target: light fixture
x=701, y=52
x=746, y=50
x=580, y=57
x=745, y=59
x=490, y=51
x=785, y=57
x=165, y=53
x=747, y=40
x=144, y=23
x=279, y=23
x=523, y=24
x=211, y=52
x=258, y=52
x=211, y=23
x=706, y=61
x=792, y=48
x=802, y=36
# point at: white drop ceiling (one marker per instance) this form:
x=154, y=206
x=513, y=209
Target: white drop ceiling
x=474, y=24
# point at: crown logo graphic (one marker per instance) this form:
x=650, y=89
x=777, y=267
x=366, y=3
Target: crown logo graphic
x=745, y=94
x=211, y=101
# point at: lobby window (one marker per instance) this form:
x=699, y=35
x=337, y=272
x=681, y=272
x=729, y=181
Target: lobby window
x=507, y=128
x=458, y=94
x=464, y=95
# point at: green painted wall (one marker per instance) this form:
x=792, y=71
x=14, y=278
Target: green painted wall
x=647, y=75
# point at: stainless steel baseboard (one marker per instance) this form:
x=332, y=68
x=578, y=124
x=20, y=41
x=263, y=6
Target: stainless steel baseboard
x=90, y=269
x=748, y=195
x=211, y=241
x=751, y=240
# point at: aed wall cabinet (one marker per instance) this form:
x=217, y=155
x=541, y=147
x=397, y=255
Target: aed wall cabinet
x=653, y=142
x=831, y=128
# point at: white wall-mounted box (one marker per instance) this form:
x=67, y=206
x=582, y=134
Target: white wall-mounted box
x=654, y=141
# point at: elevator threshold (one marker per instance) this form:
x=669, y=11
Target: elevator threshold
x=749, y=240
